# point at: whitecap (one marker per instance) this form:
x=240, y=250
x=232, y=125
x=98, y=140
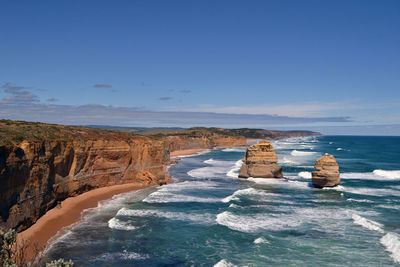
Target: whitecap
x=212, y=161
x=369, y=224
x=306, y=175
x=385, y=175
x=236, y=149
x=125, y=255
x=114, y=223
x=224, y=263
x=261, y=240
x=339, y=148
x=234, y=172
x=289, y=217
x=204, y=218
x=379, y=192
x=246, y=192
x=298, y=153
x=208, y=172
x=281, y=182
x=394, y=174
x=359, y=200
x=391, y=241
x=258, y=222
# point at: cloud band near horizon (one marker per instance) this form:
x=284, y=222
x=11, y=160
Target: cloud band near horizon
x=130, y=116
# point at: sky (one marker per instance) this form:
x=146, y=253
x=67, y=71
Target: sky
x=330, y=66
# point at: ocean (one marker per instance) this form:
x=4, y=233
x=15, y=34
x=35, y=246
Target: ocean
x=209, y=217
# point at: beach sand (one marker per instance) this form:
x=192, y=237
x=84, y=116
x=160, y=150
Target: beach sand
x=66, y=214
x=187, y=152
x=69, y=212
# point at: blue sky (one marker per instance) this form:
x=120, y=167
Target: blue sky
x=272, y=64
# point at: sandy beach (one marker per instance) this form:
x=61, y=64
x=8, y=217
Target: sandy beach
x=70, y=210
x=68, y=213
x=186, y=152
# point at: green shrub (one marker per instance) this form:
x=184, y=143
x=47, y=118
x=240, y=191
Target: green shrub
x=60, y=263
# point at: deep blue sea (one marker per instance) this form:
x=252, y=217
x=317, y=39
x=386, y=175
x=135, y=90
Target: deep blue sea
x=209, y=217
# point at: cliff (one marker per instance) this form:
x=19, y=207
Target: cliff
x=42, y=164
x=198, y=137
x=260, y=162
x=270, y=134
x=37, y=173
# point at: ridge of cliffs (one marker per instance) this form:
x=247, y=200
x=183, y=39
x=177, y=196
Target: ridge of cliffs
x=42, y=164
x=35, y=175
x=198, y=137
x=271, y=134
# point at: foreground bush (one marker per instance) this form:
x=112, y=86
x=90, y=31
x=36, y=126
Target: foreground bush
x=13, y=253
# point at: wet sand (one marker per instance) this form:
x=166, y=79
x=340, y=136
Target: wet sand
x=68, y=213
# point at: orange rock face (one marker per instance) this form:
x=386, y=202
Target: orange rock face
x=35, y=175
x=206, y=142
x=326, y=172
x=260, y=162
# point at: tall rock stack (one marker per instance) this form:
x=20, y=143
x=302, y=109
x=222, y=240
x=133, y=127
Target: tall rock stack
x=326, y=172
x=260, y=162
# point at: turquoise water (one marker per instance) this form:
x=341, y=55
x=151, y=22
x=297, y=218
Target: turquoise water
x=209, y=217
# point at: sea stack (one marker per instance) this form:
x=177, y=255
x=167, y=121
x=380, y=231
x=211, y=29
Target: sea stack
x=260, y=162
x=326, y=172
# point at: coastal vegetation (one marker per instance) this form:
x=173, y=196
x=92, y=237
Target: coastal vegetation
x=13, y=253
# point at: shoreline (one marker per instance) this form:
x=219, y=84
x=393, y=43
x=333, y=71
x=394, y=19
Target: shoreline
x=187, y=152
x=54, y=222
x=69, y=212
x=195, y=151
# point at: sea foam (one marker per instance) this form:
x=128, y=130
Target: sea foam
x=391, y=241
x=260, y=240
x=246, y=192
x=237, y=149
x=224, y=263
x=385, y=175
x=114, y=223
x=234, y=172
x=298, y=153
x=306, y=175
x=369, y=224
x=204, y=218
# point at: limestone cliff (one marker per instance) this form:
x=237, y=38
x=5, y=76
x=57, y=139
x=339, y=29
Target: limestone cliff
x=260, y=161
x=326, y=172
x=198, y=137
x=206, y=142
x=36, y=174
x=41, y=164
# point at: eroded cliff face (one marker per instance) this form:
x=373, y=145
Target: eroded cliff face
x=35, y=175
x=206, y=142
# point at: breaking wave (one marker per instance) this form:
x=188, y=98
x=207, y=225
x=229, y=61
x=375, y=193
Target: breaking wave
x=369, y=224
x=391, y=241
x=298, y=153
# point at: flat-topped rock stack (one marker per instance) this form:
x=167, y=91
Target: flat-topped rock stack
x=326, y=172
x=260, y=162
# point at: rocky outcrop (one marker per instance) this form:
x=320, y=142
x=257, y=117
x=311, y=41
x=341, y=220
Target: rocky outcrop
x=260, y=161
x=35, y=175
x=207, y=142
x=270, y=134
x=326, y=172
